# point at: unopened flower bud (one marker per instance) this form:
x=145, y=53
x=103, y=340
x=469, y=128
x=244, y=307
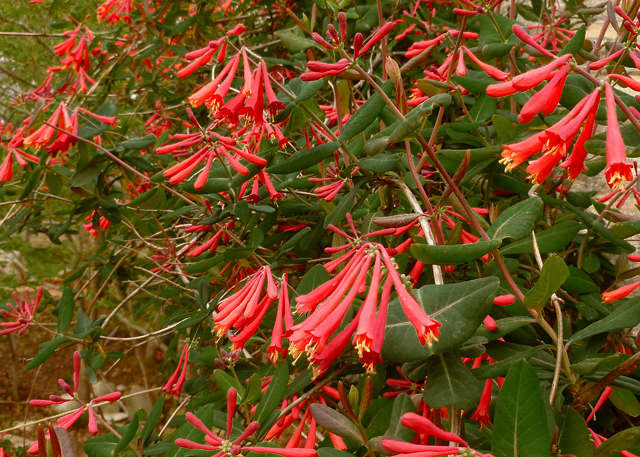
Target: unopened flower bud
x=357, y=44
x=321, y=41
x=393, y=70
x=333, y=33
x=342, y=21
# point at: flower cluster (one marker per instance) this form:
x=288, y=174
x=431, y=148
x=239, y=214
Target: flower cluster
x=329, y=303
x=71, y=418
x=23, y=313
x=226, y=445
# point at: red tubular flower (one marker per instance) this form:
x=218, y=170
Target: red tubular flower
x=176, y=382
x=501, y=90
x=504, y=300
x=425, y=426
x=357, y=44
x=319, y=70
x=274, y=105
x=342, y=21
x=481, y=414
x=463, y=12
x=284, y=312
x=426, y=328
x=214, y=92
x=606, y=393
x=248, y=78
x=553, y=142
x=490, y=323
x=488, y=69
x=23, y=313
x=620, y=293
x=526, y=38
x=237, y=30
x=618, y=170
x=633, y=258
x=245, y=309
x=630, y=82
x=602, y=62
x=197, y=63
x=321, y=41
x=545, y=100
x=575, y=162
x=403, y=448
x=528, y=80
x=379, y=35
x=532, y=78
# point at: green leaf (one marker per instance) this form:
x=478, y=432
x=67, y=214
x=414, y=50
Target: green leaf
x=274, y=394
x=473, y=85
x=102, y=446
x=316, y=276
x=505, y=326
x=501, y=367
x=520, y=424
x=293, y=42
x=366, y=114
x=550, y=240
x=590, y=366
x=504, y=128
x=128, y=434
x=225, y=381
x=626, y=315
x=139, y=143
x=553, y=275
x=453, y=254
x=380, y=163
x=65, y=310
x=619, y=442
x=579, y=282
x=181, y=27
x=573, y=434
x=254, y=391
x=415, y=120
x=575, y=44
x=460, y=308
x=152, y=420
x=46, y=350
x=304, y=378
x=401, y=405
x=625, y=401
x=304, y=90
x=334, y=422
x=295, y=239
x=89, y=173
x=143, y=198
x=451, y=383
x=484, y=108
x=625, y=229
x=305, y=159
x=332, y=452
x=203, y=265
x=516, y=221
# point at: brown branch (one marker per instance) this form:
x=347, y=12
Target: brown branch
x=584, y=397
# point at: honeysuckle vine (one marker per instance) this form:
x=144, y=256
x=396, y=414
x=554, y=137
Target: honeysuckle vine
x=366, y=228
